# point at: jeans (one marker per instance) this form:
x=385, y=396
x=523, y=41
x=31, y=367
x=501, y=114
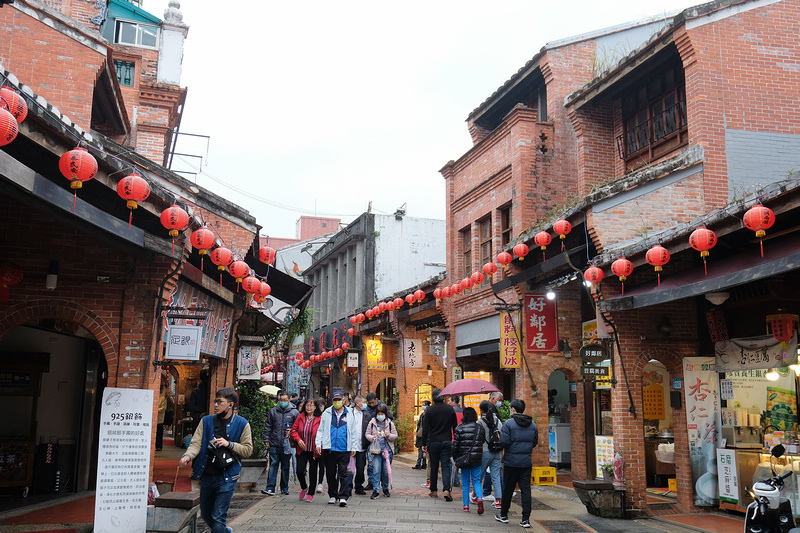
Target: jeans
x=517, y=475
x=456, y=474
x=380, y=474
x=336, y=467
x=492, y=461
x=276, y=456
x=420, y=457
x=471, y=473
x=215, y=497
x=303, y=459
x=440, y=452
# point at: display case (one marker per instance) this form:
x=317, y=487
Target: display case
x=738, y=469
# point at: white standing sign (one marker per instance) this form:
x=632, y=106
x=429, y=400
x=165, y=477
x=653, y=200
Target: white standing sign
x=123, y=461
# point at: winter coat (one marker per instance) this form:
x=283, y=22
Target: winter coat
x=296, y=434
x=365, y=418
x=418, y=440
x=278, y=421
x=324, y=432
x=468, y=440
x=484, y=422
x=439, y=423
x=372, y=432
x=518, y=437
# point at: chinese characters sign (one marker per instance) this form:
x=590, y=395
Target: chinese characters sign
x=754, y=352
x=183, y=342
x=510, y=352
x=728, y=483
x=374, y=350
x=216, y=327
x=702, y=413
x=249, y=362
x=412, y=354
x=541, y=324
x=123, y=460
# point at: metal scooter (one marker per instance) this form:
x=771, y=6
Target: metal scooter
x=770, y=512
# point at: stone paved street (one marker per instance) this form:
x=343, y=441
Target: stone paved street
x=411, y=509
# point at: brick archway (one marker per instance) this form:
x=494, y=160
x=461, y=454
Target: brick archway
x=36, y=309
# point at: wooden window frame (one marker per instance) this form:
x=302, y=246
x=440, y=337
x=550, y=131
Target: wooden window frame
x=465, y=236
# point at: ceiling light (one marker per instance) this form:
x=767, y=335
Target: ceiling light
x=551, y=295
x=718, y=298
x=772, y=375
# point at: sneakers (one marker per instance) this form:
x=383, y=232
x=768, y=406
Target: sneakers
x=268, y=492
x=497, y=504
x=386, y=493
x=342, y=503
x=465, y=508
x=319, y=487
x=447, y=496
x=473, y=498
x=416, y=467
x=303, y=494
x=501, y=518
x=489, y=497
x=332, y=501
x=433, y=494
x=525, y=523
x=375, y=495
x=426, y=485
x=228, y=530
x=480, y=506
x=514, y=494
x=309, y=498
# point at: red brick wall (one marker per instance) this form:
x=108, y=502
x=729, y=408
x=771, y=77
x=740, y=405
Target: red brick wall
x=312, y=227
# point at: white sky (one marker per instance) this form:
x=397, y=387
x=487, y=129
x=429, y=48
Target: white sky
x=320, y=107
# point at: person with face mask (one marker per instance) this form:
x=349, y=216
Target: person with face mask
x=280, y=420
x=222, y=430
x=382, y=430
x=362, y=419
x=338, y=437
x=421, y=458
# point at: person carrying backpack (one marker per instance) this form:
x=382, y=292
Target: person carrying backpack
x=492, y=452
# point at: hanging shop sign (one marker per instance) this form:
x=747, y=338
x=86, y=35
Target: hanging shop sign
x=374, y=350
x=457, y=374
x=183, y=342
x=702, y=421
x=596, y=371
x=593, y=353
x=510, y=352
x=352, y=360
x=249, y=362
x=750, y=353
x=216, y=327
x=436, y=344
x=412, y=356
x=541, y=324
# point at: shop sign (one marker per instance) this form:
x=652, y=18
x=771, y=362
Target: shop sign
x=510, y=353
x=754, y=352
x=374, y=350
x=596, y=371
x=183, y=342
x=216, y=328
x=456, y=373
x=589, y=330
x=352, y=360
x=436, y=344
x=593, y=353
x=728, y=482
x=123, y=460
x=412, y=356
x=702, y=422
x=541, y=324
x=249, y=360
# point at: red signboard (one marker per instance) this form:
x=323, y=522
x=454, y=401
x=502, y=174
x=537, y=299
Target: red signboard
x=541, y=324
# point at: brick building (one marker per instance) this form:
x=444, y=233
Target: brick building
x=694, y=125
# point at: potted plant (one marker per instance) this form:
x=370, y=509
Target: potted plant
x=608, y=472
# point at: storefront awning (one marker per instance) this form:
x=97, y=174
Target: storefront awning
x=724, y=273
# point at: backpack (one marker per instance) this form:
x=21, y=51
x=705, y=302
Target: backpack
x=493, y=440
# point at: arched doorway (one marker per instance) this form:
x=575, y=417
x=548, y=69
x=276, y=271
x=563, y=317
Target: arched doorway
x=659, y=457
x=385, y=390
x=53, y=409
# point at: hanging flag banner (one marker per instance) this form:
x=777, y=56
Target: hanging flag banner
x=702, y=421
x=541, y=324
x=412, y=356
x=510, y=352
x=749, y=353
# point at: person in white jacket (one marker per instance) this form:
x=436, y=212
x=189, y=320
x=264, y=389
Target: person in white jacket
x=338, y=437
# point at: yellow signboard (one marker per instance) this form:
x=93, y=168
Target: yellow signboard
x=374, y=350
x=653, y=402
x=510, y=350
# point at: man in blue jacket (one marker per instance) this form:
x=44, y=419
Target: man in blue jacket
x=226, y=431
x=518, y=437
x=339, y=437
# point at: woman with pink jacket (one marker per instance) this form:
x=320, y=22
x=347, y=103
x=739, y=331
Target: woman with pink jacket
x=381, y=433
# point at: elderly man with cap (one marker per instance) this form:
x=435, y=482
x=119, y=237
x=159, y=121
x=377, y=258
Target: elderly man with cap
x=338, y=436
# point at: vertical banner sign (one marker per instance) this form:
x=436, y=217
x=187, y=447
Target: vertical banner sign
x=438, y=347
x=123, y=461
x=510, y=353
x=352, y=360
x=702, y=412
x=412, y=357
x=249, y=360
x=726, y=468
x=541, y=324
x=374, y=350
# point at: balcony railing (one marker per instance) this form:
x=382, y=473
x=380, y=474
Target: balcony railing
x=654, y=131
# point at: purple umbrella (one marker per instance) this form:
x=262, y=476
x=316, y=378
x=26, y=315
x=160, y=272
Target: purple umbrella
x=467, y=386
x=385, y=454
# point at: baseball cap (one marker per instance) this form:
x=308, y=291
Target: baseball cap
x=338, y=396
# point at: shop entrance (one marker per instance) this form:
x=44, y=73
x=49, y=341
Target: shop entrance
x=559, y=420
x=385, y=390
x=659, y=442
x=53, y=373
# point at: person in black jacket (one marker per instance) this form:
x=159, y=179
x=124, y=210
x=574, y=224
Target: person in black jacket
x=437, y=435
x=518, y=437
x=468, y=455
x=421, y=458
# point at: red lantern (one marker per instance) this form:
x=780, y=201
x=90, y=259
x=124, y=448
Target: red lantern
x=657, y=256
x=10, y=275
x=398, y=303
x=370, y=313
x=353, y=320
x=382, y=307
x=77, y=165
x=376, y=311
x=467, y=283
x=521, y=250
x=345, y=346
x=703, y=239
x=419, y=295
x=542, y=240
x=447, y=292
x=489, y=269
x=15, y=103
x=437, y=293
x=239, y=269
x=622, y=268
x=134, y=189
x=251, y=284
x=457, y=288
x=478, y=277
x=202, y=239
x=504, y=258
x=562, y=229
x=351, y=331
x=266, y=255
x=338, y=352
x=222, y=257
x=593, y=275
x=759, y=219
x=783, y=326
x=264, y=290
x=390, y=305
x=9, y=128
x=410, y=299
x=299, y=362
x=361, y=318
x=175, y=220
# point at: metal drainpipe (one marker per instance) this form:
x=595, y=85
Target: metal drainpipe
x=157, y=325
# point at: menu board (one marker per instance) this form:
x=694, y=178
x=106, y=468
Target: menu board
x=123, y=460
x=604, y=451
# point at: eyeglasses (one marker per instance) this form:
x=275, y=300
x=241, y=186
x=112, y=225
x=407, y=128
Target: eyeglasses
x=220, y=401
